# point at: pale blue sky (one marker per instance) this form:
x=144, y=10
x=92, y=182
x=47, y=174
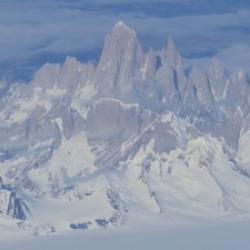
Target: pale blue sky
x=36, y=31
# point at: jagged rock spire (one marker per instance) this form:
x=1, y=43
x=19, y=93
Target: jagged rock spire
x=172, y=54
x=172, y=62
x=150, y=65
x=217, y=79
x=198, y=95
x=237, y=92
x=121, y=59
x=121, y=27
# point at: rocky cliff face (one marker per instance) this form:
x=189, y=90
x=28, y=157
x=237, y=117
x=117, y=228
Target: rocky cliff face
x=131, y=136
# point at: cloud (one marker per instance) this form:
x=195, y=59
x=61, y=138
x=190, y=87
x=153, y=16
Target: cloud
x=236, y=57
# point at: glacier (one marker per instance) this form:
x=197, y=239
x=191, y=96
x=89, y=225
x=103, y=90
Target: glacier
x=135, y=137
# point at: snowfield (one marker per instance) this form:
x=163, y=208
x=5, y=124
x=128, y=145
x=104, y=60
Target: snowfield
x=207, y=236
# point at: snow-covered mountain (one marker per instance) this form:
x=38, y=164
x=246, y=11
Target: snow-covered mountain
x=136, y=136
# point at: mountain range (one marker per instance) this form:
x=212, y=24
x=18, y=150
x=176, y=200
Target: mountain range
x=138, y=136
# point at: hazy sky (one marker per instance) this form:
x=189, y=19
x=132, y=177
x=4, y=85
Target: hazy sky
x=36, y=31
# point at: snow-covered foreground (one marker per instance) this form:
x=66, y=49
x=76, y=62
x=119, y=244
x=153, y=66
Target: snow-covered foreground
x=206, y=236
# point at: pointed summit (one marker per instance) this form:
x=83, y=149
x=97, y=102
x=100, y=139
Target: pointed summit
x=171, y=44
x=122, y=26
x=172, y=54
x=121, y=59
x=122, y=32
x=172, y=57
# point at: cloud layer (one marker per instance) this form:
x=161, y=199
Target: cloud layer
x=33, y=32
